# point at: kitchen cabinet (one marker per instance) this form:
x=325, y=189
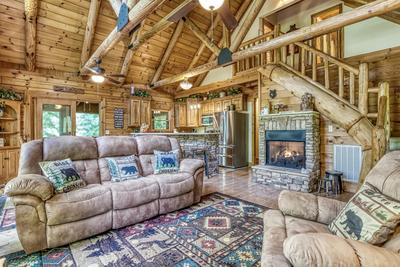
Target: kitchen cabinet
x=139, y=111
x=193, y=113
x=9, y=159
x=180, y=115
x=218, y=106
x=238, y=102
x=207, y=108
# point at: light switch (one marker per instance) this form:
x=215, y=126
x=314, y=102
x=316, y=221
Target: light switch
x=107, y=132
x=330, y=128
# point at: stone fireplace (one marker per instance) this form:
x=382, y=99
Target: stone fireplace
x=289, y=151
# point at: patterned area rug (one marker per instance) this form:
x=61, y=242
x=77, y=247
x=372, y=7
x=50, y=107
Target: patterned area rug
x=220, y=231
x=7, y=214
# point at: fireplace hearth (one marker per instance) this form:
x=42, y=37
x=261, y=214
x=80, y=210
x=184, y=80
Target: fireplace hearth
x=289, y=151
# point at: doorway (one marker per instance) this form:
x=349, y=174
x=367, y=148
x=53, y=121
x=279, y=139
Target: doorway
x=56, y=117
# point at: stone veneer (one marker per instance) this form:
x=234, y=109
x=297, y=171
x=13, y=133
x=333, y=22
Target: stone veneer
x=285, y=178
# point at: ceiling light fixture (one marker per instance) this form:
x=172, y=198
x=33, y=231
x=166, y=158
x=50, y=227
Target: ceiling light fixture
x=98, y=78
x=211, y=5
x=185, y=84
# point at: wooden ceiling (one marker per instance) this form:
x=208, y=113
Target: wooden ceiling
x=61, y=28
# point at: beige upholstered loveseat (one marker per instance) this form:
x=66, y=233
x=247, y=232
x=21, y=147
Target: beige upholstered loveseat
x=45, y=219
x=297, y=234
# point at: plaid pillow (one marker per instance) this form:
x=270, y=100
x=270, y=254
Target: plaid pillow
x=62, y=175
x=166, y=162
x=123, y=168
x=369, y=216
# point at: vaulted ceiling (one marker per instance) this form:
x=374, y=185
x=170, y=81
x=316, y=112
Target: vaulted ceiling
x=61, y=28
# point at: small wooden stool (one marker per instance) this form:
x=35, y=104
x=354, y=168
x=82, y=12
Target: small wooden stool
x=336, y=177
x=326, y=184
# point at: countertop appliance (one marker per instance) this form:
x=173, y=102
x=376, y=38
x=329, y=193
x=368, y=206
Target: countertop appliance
x=233, y=127
x=207, y=120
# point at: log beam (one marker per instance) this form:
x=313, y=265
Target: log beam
x=201, y=35
x=393, y=16
x=116, y=6
x=373, y=9
x=331, y=106
x=129, y=55
x=31, y=11
x=90, y=30
x=136, y=15
x=163, y=24
x=246, y=5
x=240, y=79
x=168, y=51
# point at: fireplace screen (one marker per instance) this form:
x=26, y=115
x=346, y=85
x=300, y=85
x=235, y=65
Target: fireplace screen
x=286, y=149
x=286, y=154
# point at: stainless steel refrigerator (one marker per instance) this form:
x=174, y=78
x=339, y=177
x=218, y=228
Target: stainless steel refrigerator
x=233, y=128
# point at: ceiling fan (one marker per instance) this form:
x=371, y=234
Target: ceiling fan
x=219, y=6
x=99, y=75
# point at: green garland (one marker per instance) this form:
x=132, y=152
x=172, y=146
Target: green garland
x=10, y=95
x=141, y=93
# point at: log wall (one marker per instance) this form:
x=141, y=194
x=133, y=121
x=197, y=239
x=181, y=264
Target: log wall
x=38, y=85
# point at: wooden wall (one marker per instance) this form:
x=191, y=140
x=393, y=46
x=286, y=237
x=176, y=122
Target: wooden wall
x=40, y=85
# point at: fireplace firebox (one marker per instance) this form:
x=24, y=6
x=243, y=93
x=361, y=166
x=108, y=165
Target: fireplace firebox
x=286, y=148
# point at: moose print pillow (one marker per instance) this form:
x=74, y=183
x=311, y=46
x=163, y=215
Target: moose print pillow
x=166, y=162
x=123, y=168
x=62, y=175
x=369, y=216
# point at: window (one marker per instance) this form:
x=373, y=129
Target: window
x=331, y=43
x=87, y=119
x=57, y=117
x=56, y=120
x=160, y=120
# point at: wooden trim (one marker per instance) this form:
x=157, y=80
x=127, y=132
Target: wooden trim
x=116, y=6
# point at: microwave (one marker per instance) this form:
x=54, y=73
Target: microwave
x=207, y=120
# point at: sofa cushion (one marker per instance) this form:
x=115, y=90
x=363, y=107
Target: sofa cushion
x=369, y=216
x=114, y=146
x=133, y=193
x=173, y=184
x=62, y=175
x=78, y=204
x=30, y=156
x=147, y=144
x=123, y=168
x=166, y=162
x=296, y=226
x=146, y=164
x=88, y=170
x=73, y=147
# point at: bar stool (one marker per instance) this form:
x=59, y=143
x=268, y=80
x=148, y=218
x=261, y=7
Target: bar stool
x=202, y=152
x=325, y=183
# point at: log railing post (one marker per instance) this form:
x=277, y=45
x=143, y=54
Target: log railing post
x=277, y=52
x=363, y=88
x=341, y=82
x=379, y=143
x=384, y=91
x=303, y=61
x=352, y=89
x=326, y=71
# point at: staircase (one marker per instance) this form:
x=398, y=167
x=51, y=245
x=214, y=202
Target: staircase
x=345, y=82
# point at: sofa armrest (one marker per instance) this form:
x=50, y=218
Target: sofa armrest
x=321, y=249
x=308, y=206
x=196, y=168
x=30, y=184
x=191, y=165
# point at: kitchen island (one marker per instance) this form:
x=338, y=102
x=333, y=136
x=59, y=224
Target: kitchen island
x=192, y=143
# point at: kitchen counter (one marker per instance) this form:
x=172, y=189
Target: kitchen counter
x=173, y=134
x=192, y=142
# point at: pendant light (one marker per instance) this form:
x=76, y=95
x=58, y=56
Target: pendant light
x=211, y=5
x=185, y=84
x=98, y=78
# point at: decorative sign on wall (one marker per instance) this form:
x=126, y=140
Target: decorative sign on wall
x=118, y=118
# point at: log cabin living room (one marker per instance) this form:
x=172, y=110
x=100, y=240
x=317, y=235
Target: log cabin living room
x=199, y=133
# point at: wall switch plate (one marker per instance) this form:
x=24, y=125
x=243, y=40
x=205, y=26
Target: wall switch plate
x=107, y=132
x=330, y=128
